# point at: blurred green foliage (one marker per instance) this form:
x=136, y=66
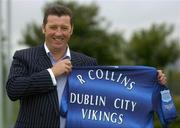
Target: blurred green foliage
x=154, y=47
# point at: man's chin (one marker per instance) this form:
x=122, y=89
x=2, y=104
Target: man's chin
x=60, y=46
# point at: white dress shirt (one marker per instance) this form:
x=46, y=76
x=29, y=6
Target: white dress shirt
x=59, y=81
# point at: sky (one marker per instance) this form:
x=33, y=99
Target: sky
x=125, y=16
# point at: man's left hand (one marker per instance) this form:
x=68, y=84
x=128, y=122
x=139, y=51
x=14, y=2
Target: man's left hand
x=161, y=77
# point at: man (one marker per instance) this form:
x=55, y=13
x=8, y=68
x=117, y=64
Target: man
x=38, y=75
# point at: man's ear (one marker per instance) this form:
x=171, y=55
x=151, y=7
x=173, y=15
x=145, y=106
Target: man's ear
x=43, y=29
x=72, y=29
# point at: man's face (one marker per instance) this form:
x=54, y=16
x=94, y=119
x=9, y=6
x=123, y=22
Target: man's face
x=58, y=31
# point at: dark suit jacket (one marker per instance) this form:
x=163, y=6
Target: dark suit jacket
x=30, y=82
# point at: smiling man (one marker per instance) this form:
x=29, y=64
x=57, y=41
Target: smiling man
x=38, y=75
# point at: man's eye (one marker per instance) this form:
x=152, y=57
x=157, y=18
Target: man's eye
x=53, y=27
x=64, y=28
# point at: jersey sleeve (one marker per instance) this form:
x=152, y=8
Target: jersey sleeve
x=163, y=105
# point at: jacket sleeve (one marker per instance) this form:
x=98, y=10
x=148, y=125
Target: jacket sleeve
x=21, y=83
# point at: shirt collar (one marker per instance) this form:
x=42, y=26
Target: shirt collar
x=66, y=55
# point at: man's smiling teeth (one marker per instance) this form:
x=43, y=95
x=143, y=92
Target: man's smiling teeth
x=58, y=39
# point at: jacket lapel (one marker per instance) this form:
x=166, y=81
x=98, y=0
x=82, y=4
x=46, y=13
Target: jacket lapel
x=43, y=63
x=43, y=60
x=75, y=59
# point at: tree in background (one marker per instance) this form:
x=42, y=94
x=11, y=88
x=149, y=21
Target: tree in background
x=32, y=35
x=153, y=47
x=88, y=37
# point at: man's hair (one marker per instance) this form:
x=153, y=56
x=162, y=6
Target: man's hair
x=57, y=10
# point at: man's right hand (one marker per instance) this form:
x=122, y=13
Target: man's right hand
x=61, y=67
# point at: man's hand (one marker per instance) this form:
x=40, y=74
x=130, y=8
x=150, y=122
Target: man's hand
x=161, y=77
x=61, y=67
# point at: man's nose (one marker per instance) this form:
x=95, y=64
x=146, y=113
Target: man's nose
x=59, y=31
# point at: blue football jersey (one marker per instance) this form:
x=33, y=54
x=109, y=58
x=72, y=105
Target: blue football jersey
x=116, y=97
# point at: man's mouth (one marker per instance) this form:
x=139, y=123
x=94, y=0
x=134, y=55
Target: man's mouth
x=58, y=38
